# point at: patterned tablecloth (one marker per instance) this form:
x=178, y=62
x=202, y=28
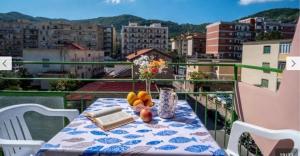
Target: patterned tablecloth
x=182, y=135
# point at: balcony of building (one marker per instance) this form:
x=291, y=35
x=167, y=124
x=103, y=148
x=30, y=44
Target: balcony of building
x=213, y=100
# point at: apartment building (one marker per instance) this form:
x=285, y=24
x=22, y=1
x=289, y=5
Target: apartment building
x=30, y=36
x=191, y=45
x=210, y=72
x=14, y=36
x=11, y=39
x=266, y=25
x=68, y=53
x=109, y=40
x=52, y=35
x=224, y=39
x=268, y=54
x=135, y=37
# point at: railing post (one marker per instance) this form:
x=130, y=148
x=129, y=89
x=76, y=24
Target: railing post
x=234, y=115
x=132, y=77
x=236, y=72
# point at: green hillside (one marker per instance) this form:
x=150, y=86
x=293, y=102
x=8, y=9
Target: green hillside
x=119, y=21
x=285, y=15
x=279, y=14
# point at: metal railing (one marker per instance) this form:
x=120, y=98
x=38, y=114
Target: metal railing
x=216, y=118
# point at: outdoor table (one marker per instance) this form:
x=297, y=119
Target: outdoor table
x=182, y=135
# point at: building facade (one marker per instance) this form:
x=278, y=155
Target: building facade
x=224, y=39
x=14, y=36
x=261, y=24
x=267, y=54
x=209, y=72
x=109, y=40
x=191, y=45
x=11, y=39
x=52, y=35
x=69, y=53
x=135, y=37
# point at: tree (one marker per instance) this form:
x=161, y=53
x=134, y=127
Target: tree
x=9, y=84
x=23, y=73
x=64, y=85
x=273, y=35
x=198, y=75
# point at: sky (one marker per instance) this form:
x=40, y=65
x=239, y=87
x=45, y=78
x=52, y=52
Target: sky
x=180, y=11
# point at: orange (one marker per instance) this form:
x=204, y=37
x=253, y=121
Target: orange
x=149, y=103
x=131, y=97
x=141, y=95
x=147, y=98
x=138, y=102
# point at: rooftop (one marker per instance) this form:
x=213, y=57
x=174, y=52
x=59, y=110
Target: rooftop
x=107, y=87
x=144, y=52
x=267, y=42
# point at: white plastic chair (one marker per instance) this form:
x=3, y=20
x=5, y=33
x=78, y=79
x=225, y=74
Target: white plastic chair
x=15, y=137
x=239, y=128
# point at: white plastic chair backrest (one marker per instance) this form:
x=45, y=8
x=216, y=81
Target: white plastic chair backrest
x=239, y=128
x=35, y=120
x=13, y=125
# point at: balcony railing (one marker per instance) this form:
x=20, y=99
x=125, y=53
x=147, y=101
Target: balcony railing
x=217, y=118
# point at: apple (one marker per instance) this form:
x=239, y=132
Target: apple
x=146, y=115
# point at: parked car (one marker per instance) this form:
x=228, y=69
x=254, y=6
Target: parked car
x=227, y=102
x=211, y=96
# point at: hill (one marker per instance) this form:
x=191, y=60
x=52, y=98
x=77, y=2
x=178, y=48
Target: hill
x=284, y=15
x=279, y=14
x=13, y=16
x=119, y=21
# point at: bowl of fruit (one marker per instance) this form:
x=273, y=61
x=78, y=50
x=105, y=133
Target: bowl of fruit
x=139, y=101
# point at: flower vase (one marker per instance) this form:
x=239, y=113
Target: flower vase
x=148, y=87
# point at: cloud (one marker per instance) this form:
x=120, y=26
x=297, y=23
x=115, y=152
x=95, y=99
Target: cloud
x=118, y=1
x=247, y=2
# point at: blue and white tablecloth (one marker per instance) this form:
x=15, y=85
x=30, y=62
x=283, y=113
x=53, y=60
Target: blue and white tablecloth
x=182, y=135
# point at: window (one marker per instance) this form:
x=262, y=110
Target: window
x=46, y=60
x=281, y=65
x=278, y=84
x=284, y=48
x=267, y=65
x=264, y=83
x=267, y=49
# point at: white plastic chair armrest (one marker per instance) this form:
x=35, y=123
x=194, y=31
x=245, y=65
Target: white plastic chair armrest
x=21, y=143
x=69, y=113
x=239, y=128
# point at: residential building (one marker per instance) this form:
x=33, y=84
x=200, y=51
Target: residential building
x=266, y=25
x=11, y=39
x=109, y=40
x=135, y=37
x=53, y=35
x=14, y=36
x=180, y=45
x=30, y=36
x=68, y=53
x=267, y=54
x=225, y=39
x=211, y=72
x=191, y=45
